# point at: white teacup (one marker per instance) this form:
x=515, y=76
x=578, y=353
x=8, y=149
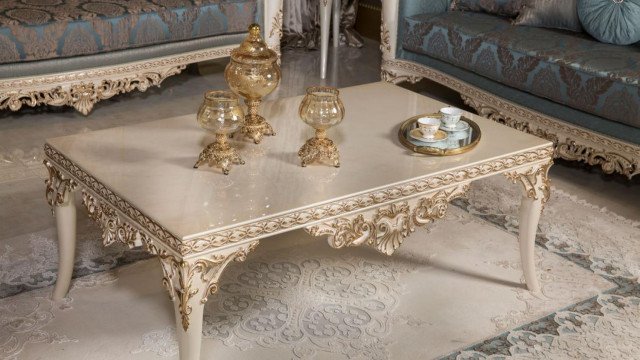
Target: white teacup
x=428, y=127
x=450, y=116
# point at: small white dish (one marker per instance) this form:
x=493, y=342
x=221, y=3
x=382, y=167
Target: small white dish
x=459, y=126
x=439, y=136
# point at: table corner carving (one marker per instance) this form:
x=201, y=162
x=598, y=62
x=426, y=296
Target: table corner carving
x=57, y=186
x=184, y=279
x=389, y=225
x=535, y=181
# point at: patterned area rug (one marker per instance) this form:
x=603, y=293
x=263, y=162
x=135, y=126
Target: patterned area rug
x=453, y=291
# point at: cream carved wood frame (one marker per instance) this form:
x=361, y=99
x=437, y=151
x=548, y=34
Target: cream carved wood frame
x=82, y=89
x=382, y=219
x=571, y=142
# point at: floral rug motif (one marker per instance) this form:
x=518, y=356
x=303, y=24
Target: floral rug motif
x=341, y=305
x=604, y=327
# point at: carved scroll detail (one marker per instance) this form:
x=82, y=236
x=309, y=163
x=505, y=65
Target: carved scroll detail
x=389, y=225
x=189, y=281
x=57, y=187
x=113, y=228
x=534, y=180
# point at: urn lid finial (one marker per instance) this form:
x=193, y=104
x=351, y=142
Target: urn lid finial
x=254, y=49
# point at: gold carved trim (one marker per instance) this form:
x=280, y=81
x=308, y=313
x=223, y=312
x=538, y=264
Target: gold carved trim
x=184, y=279
x=112, y=199
x=57, y=187
x=535, y=181
x=113, y=228
x=83, y=96
x=83, y=89
x=389, y=225
x=299, y=218
x=572, y=143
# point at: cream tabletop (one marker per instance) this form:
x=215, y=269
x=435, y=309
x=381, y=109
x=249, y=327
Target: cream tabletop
x=150, y=165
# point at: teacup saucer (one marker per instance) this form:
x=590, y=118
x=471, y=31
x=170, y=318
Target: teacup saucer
x=460, y=126
x=439, y=136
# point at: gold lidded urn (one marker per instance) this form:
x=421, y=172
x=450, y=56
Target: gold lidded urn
x=253, y=73
x=220, y=113
x=321, y=108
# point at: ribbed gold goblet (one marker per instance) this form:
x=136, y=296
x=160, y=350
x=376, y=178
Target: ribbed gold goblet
x=321, y=108
x=221, y=114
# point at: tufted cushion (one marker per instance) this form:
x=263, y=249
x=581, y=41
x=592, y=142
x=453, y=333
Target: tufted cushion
x=509, y=8
x=572, y=69
x=611, y=21
x=47, y=29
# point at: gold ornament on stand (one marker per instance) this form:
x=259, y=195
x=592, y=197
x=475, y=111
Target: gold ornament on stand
x=321, y=108
x=253, y=73
x=222, y=114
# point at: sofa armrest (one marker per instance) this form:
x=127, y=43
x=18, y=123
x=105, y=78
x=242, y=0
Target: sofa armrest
x=393, y=14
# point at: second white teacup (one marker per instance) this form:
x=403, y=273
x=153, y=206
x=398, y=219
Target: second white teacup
x=428, y=127
x=450, y=116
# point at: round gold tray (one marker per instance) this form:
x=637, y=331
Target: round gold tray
x=457, y=142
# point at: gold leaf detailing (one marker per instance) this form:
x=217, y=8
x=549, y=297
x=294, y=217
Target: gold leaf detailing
x=296, y=219
x=579, y=144
x=390, y=225
x=57, y=187
x=83, y=96
x=184, y=279
x=435, y=207
x=113, y=228
x=535, y=181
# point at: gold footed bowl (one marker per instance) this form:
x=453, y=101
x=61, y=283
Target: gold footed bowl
x=321, y=108
x=221, y=114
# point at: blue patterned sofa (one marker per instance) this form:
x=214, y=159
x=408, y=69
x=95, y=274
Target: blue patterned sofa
x=78, y=52
x=567, y=87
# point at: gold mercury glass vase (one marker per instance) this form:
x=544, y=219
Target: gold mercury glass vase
x=253, y=73
x=220, y=113
x=321, y=108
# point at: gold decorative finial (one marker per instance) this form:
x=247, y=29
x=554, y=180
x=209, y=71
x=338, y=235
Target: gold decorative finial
x=254, y=30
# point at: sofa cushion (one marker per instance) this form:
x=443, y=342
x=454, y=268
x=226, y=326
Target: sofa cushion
x=614, y=22
x=47, y=29
x=569, y=68
x=508, y=8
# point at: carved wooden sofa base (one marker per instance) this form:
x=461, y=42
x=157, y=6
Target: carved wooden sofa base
x=83, y=88
x=571, y=142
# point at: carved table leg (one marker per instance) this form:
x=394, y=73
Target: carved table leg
x=66, y=226
x=59, y=195
x=189, y=283
x=536, y=190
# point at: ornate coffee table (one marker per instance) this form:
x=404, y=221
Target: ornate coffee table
x=138, y=183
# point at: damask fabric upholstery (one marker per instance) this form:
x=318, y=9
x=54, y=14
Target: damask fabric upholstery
x=569, y=68
x=550, y=108
x=47, y=29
